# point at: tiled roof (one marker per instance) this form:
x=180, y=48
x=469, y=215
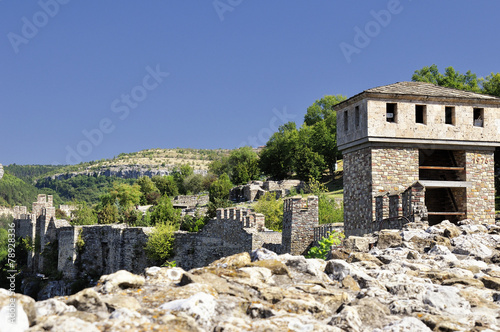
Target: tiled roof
x=427, y=89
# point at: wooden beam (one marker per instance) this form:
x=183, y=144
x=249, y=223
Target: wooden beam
x=443, y=168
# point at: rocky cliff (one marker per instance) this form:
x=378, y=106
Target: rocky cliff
x=124, y=171
x=440, y=278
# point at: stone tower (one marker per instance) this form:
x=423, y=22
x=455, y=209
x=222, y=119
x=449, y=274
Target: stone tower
x=300, y=216
x=395, y=135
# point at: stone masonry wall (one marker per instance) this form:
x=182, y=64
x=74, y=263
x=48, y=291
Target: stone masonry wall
x=357, y=192
x=481, y=196
x=300, y=217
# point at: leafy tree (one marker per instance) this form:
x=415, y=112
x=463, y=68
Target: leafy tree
x=307, y=163
x=148, y=188
x=277, y=157
x=192, y=224
x=322, y=109
x=491, y=84
x=244, y=165
x=166, y=185
x=324, y=141
x=180, y=174
x=165, y=212
x=160, y=244
x=83, y=215
x=272, y=209
x=451, y=78
x=193, y=184
x=220, y=188
x=328, y=211
x=108, y=214
x=219, y=195
x=127, y=195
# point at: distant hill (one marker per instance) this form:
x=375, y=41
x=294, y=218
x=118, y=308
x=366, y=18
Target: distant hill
x=128, y=165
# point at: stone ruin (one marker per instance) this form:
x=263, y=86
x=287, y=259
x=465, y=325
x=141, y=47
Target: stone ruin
x=102, y=249
x=255, y=189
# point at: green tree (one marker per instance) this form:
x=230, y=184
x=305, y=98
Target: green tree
x=272, y=209
x=450, y=79
x=324, y=141
x=180, y=174
x=277, y=157
x=148, y=188
x=165, y=212
x=108, y=214
x=307, y=162
x=491, y=84
x=322, y=109
x=244, y=165
x=193, y=184
x=166, y=185
x=219, y=195
x=127, y=195
x=83, y=215
x=160, y=243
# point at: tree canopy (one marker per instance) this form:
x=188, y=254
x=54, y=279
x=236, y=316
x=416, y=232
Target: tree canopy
x=452, y=78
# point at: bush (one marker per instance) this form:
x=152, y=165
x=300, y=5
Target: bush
x=325, y=245
x=328, y=210
x=272, y=209
x=191, y=224
x=159, y=246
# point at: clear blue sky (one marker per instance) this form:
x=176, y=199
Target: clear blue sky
x=135, y=75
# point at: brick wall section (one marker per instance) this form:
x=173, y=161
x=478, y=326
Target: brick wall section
x=300, y=217
x=481, y=196
x=357, y=192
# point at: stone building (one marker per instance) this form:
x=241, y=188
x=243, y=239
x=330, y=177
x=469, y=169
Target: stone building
x=438, y=141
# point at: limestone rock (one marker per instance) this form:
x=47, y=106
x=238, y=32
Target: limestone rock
x=121, y=279
x=389, y=238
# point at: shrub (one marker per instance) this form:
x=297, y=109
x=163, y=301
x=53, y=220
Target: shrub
x=159, y=246
x=192, y=224
x=328, y=210
x=325, y=245
x=272, y=209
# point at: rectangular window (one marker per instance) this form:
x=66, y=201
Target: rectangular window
x=449, y=115
x=346, y=121
x=421, y=114
x=391, y=112
x=356, y=116
x=478, y=117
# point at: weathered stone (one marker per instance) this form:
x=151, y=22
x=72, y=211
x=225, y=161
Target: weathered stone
x=88, y=300
x=262, y=254
x=200, y=306
x=358, y=243
x=235, y=261
x=389, y=239
x=471, y=245
x=121, y=279
x=491, y=282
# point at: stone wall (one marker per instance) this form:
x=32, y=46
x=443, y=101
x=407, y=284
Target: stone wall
x=481, y=196
x=255, y=189
x=300, y=217
x=357, y=192
x=190, y=201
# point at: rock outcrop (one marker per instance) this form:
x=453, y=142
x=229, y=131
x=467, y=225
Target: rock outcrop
x=440, y=278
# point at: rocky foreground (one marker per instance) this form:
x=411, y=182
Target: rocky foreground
x=440, y=278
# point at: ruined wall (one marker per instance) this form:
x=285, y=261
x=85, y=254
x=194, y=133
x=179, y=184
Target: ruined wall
x=481, y=196
x=300, y=217
x=357, y=192
x=109, y=248
x=219, y=238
